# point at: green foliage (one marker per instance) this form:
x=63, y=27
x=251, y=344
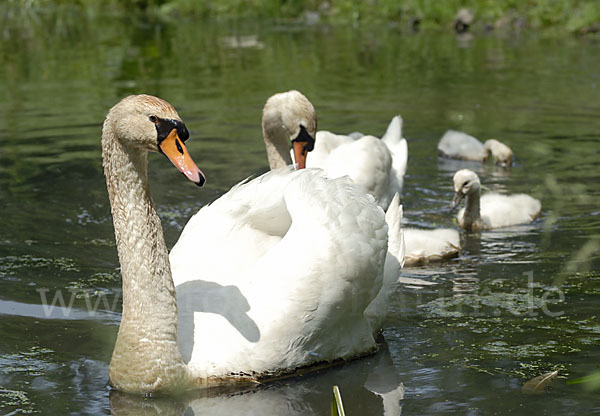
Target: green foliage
x=590, y=382
x=337, y=408
x=567, y=15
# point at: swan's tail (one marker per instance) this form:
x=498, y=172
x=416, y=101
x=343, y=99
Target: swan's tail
x=394, y=260
x=393, y=134
x=393, y=218
x=398, y=147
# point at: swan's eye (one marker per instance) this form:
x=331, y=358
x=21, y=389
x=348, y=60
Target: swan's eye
x=154, y=119
x=465, y=184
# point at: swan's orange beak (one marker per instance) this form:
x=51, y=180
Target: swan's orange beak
x=302, y=144
x=300, y=152
x=173, y=148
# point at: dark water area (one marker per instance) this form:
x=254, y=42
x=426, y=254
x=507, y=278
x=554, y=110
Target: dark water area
x=462, y=336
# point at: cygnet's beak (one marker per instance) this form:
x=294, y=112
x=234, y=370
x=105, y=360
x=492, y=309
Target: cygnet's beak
x=302, y=144
x=174, y=148
x=458, y=196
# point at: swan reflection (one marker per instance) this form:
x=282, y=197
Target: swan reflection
x=370, y=385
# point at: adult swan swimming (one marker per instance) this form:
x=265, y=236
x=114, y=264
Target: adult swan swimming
x=281, y=273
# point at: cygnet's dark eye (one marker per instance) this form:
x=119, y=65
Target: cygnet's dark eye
x=465, y=184
x=154, y=119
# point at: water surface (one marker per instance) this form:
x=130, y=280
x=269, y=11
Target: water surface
x=462, y=338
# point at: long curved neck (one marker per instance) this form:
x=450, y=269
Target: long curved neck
x=277, y=142
x=472, y=216
x=146, y=357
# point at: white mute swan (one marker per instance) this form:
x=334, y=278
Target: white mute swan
x=377, y=165
x=492, y=210
x=425, y=246
x=459, y=145
x=291, y=116
x=281, y=273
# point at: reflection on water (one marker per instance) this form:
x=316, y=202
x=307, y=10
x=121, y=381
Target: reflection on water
x=458, y=332
x=372, y=386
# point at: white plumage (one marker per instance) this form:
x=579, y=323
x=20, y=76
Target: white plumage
x=377, y=165
x=281, y=272
x=424, y=246
x=505, y=210
x=290, y=269
x=491, y=210
x=277, y=274
x=459, y=145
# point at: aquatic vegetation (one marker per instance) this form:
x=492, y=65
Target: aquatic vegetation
x=101, y=242
x=9, y=265
x=97, y=282
x=16, y=370
x=496, y=319
x=15, y=399
x=520, y=351
x=581, y=263
x=486, y=304
x=30, y=362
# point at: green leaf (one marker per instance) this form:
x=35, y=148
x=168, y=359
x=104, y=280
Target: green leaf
x=592, y=381
x=337, y=407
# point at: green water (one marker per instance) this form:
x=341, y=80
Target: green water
x=518, y=302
